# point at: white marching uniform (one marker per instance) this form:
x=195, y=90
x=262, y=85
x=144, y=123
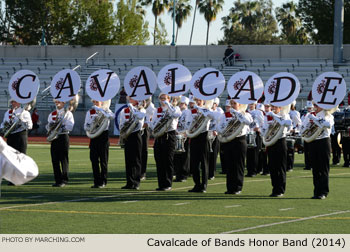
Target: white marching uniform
x=92, y=113
x=16, y=167
x=15, y=114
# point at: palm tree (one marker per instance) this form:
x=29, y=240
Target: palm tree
x=287, y=18
x=182, y=12
x=194, y=18
x=158, y=7
x=210, y=8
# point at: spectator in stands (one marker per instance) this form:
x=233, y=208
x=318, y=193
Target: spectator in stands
x=228, y=56
x=36, y=122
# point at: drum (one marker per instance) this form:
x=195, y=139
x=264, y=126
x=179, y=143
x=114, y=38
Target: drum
x=180, y=144
x=251, y=143
x=290, y=143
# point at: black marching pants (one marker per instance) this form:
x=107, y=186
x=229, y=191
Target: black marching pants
x=99, y=151
x=59, y=157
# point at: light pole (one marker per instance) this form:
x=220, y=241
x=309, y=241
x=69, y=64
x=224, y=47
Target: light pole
x=174, y=16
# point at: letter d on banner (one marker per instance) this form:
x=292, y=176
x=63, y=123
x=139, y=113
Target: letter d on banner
x=282, y=89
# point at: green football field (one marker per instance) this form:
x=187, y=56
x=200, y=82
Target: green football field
x=38, y=208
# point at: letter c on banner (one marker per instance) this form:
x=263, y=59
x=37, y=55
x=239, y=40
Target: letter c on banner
x=207, y=83
x=24, y=86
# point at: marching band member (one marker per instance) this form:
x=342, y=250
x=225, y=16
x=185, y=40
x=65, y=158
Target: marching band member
x=307, y=161
x=264, y=160
x=181, y=159
x=262, y=151
x=199, y=148
x=320, y=150
x=253, y=152
x=18, y=138
x=164, y=145
x=215, y=145
x=60, y=146
x=132, y=148
x=99, y=146
x=277, y=153
x=236, y=149
x=296, y=123
x=145, y=136
x=222, y=154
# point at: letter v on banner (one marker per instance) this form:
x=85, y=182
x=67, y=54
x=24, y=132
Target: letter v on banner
x=65, y=85
x=140, y=83
x=282, y=89
x=207, y=83
x=174, y=79
x=102, y=85
x=24, y=86
x=245, y=87
x=329, y=90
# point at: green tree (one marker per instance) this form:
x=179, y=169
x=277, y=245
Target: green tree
x=210, y=8
x=288, y=18
x=130, y=26
x=158, y=7
x=182, y=12
x=250, y=23
x=318, y=18
x=161, y=34
x=96, y=23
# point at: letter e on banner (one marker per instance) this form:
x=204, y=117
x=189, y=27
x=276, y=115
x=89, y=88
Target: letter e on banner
x=140, y=83
x=245, y=87
x=102, y=85
x=282, y=89
x=328, y=90
x=24, y=86
x=65, y=85
x=174, y=79
x=207, y=83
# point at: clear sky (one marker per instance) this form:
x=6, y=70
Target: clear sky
x=200, y=27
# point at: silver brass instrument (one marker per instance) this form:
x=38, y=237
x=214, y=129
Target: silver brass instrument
x=311, y=132
x=164, y=123
x=98, y=125
x=128, y=126
x=197, y=125
x=180, y=143
x=54, y=129
x=16, y=119
x=100, y=122
x=251, y=140
x=274, y=132
x=211, y=138
x=232, y=130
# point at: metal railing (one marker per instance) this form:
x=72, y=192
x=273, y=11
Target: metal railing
x=90, y=57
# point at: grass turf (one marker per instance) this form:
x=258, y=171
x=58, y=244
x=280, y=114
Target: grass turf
x=38, y=208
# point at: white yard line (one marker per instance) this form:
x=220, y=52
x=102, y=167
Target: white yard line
x=233, y=206
x=283, y=222
x=286, y=209
x=181, y=204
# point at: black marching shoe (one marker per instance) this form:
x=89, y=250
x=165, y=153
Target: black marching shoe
x=195, y=189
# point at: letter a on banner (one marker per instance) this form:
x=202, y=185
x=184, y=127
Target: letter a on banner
x=245, y=87
x=65, y=85
x=174, y=79
x=102, y=85
x=24, y=86
x=207, y=83
x=282, y=89
x=328, y=90
x=140, y=83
